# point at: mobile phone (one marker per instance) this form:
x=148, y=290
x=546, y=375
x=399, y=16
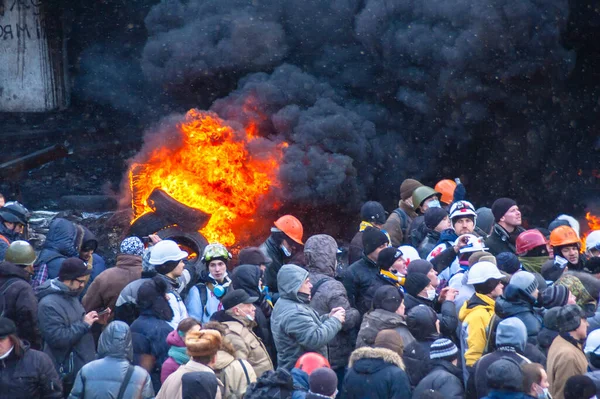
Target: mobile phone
x=103, y=311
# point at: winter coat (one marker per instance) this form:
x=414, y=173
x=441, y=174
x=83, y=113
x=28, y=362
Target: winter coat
x=171, y=389
x=126, y=306
x=149, y=337
x=271, y=250
x=355, y=249
x=444, y=378
x=565, y=359
x=523, y=310
x=235, y=374
x=375, y=373
x=378, y=320
x=301, y=385
x=430, y=242
x=501, y=240
x=20, y=303
x=475, y=316
x=60, y=316
x=320, y=253
x=29, y=374
x=595, y=376
x=446, y=312
x=398, y=223
x=297, y=328
x=10, y=236
x=246, y=344
x=170, y=365
x=105, y=289
x=481, y=366
x=194, y=302
x=102, y=378
x=357, y=280
x=416, y=354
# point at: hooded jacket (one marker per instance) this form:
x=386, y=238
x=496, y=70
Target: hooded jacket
x=358, y=279
x=320, y=252
x=235, y=374
x=446, y=312
x=29, y=374
x=20, y=303
x=421, y=322
x=375, y=373
x=297, y=328
x=272, y=251
x=102, y=378
x=475, y=316
x=516, y=303
x=378, y=320
x=445, y=378
x=60, y=316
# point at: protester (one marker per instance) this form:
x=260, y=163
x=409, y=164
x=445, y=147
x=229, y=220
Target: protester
x=113, y=372
x=532, y=248
x=64, y=324
x=199, y=385
x=177, y=350
x=592, y=244
x=360, y=275
x=505, y=380
x=447, y=188
x=296, y=327
x=389, y=261
x=484, y=223
x=25, y=372
x=372, y=214
x=459, y=281
x=285, y=240
x=565, y=356
x=20, y=303
x=399, y=221
x=566, y=244
x=436, y=221
x=13, y=219
x=323, y=383
x=507, y=228
x=302, y=370
x=443, y=375
x=254, y=256
x=580, y=387
x=423, y=198
x=424, y=326
x=535, y=381
x=592, y=352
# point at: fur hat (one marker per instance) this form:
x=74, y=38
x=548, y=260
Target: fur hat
x=203, y=342
x=390, y=339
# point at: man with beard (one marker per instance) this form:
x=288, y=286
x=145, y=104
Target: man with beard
x=507, y=228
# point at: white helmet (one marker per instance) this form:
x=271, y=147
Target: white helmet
x=462, y=208
x=593, y=240
x=475, y=244
x=409, y=253
x=165, y=251
x=482, y=271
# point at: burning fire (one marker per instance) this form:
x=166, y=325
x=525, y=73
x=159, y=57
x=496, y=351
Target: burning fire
x=593, y=223
x=210, y=170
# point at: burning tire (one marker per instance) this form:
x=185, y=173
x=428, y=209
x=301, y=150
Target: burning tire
x=175, y=212
x=148, y=224
x=191, y=242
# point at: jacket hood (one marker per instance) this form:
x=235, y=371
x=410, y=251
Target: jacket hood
x=421, y=323
x=174, y=339
x=9, y=270
x=223, y=360
x=88, y=236
x=246, y=277
x=300, y=378
x=475, y=302
x=505, y=308
x=289, y=281
x=54, y=286
x=511, y=332
x=321, y=254
x=115, y=341
x=64, y=237
x=378, y=358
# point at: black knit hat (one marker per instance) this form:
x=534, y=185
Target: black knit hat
x=419, y=266
x=373, y=212
x=501, y=206
x=444, y=349
x=579, y=386
x=323, y=381
x=372, y=239
x=415, y=283
x=73, y=268
x=253, y=256
x=7, y=327
x=555, y=295
x=387, y=257
x=569, y=318
x=387, y=298
x=433, y=216
x=505, y=374
x=508, y=262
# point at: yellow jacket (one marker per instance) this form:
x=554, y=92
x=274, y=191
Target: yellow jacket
x=475, y=315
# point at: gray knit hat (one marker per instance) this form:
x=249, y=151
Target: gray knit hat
x=524, y=281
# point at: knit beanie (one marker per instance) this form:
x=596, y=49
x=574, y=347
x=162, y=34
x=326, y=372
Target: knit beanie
x=323, y=381
x=372, y=212
x=203, y=342
x=501, y=206
x=132, y=246
x=72, y=268
x=555, y=295
x=166, y=267
x=505, y=375
x=415, y=283
x=253, y=256
x=433, y=216
x=372, y=239
x=579, y=387
x=407, y=187
x=481, y=256
x=387, y=298
x=419, y=266
x=485, y=219
x=508, y=262
x=443, y=349
x=390, y=339
x=551, y=271
x=387, y=257
x=569, y=318
x=524, y=281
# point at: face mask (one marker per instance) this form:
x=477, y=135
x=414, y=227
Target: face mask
x=248, y=317
x=286, y=251
x=542, y=393
x=431, y=294
x=434, y=204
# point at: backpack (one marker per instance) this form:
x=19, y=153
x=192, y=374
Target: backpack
x=277, y=384
x=403, y=221
x=3, y=290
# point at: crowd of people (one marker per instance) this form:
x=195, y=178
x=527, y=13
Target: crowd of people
x=439, y=300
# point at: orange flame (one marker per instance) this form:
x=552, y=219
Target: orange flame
x=209, y=170
x=593, y=223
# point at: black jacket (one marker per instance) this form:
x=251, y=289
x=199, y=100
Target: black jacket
x=29, y=374
x=443, y=377
x=375, y=373
x=272, y=251
x=357, y=280
x=355, y=249
x=20, y=303
x=478, y=379
x=431, y=240
x=501, y=240
x=523, y=310
x=416, y=355
x=446, y=312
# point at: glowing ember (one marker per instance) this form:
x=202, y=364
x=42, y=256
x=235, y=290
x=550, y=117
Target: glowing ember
x=209, y=170
x=593, y=223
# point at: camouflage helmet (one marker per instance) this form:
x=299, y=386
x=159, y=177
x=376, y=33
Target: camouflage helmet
x=215, y=251
x=20, y=253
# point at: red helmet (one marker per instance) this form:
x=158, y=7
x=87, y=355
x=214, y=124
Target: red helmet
x=528, y=240
x=311, y=361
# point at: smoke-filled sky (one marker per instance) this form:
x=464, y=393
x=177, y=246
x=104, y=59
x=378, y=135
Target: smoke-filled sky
x=502, y=93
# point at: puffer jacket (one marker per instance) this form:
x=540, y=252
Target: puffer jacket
x=444, y=378
x=431, y=241
x=235, y=374
x=378, y=320
x=358, y=279
x=446, y=312
x=321, y=252
x=60, y=316
x=501, y=240
x=20, y=303
x=522, y=309
x=29, y=374
x=271, y=250
x=376, y=373
x=297, y=328
x=475, y=316
x=102, y=378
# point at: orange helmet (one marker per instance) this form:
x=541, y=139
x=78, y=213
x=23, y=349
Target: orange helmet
x=291, y=227
x=446, y=187
x=564, y=235
x=311, y=361
x=528, y=240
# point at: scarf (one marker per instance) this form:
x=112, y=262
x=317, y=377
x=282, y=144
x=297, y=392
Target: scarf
x=363, y=225
x=179, y=354
x=533, y=264
x=389, y=276
x=304, y=298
